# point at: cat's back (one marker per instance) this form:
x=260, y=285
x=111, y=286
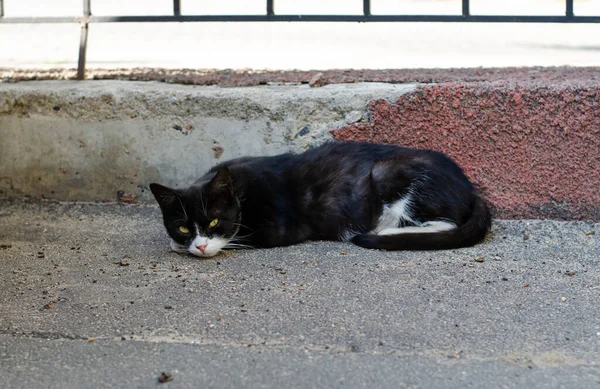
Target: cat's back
x=266, y=163
x=346, y=157
x=355, y=150
x=351, y=155
x=332, y=158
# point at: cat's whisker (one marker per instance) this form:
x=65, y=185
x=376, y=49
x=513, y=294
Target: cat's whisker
x=203, y=205
x=243, y=236
x=182, y=207
x=200, y=210
x=241, y=225
x=237, y=246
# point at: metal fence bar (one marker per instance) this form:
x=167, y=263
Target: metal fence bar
x=569, y=12
x=465, y=8
x=270, y=8
x=176, y=7
x=87, y=12
x=87, y=8
x=366, y=7
x=82, y=51
x=1, y=8
x=308, y=18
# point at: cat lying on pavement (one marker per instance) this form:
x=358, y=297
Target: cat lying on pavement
x=373, y=195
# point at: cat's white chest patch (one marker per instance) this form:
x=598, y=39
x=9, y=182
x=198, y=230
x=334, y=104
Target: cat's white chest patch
x=393, y=213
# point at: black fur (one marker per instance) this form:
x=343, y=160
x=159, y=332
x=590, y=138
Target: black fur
x=331, y=192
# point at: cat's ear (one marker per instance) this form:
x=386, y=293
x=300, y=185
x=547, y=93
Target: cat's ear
x=163, y=195
x=221, y=183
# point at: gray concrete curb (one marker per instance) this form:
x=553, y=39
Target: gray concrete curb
x=90, y=140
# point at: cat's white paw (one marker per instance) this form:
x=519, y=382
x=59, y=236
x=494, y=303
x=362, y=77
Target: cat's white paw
x=178, y=248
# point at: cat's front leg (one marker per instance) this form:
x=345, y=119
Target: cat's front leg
x=178, y=248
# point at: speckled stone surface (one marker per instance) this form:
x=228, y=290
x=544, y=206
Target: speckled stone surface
x=250, y=77
x=532, y=146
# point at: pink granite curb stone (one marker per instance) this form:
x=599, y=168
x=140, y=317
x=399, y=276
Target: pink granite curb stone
x=533, y=149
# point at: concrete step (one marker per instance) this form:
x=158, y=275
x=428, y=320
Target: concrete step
x=89, y=140
x=530, y=144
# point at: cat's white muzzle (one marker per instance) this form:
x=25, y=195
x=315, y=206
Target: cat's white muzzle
x=201, y=246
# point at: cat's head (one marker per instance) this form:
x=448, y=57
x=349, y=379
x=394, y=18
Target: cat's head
x=203, y=218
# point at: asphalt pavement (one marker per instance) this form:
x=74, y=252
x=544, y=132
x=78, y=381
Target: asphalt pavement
x=91, y=297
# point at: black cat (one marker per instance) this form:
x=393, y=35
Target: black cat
x=376, y=196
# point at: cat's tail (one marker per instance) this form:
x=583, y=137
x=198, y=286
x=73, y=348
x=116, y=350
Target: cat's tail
x=468, y=234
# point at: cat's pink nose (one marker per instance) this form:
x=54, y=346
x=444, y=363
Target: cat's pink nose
x=201, y=247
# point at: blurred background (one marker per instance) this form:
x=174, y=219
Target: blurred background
x=302, y=46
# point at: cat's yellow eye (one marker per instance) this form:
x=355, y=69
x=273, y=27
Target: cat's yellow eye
x=213, y=223
x=183, y=230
